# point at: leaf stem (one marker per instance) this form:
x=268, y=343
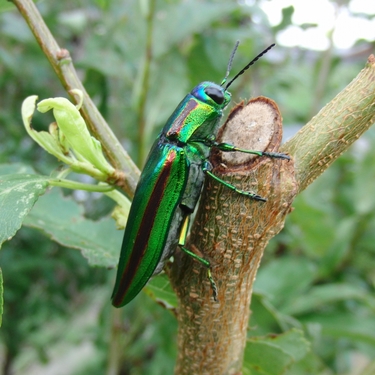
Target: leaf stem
x=119, y=198
x=69, y=184
x=106, y=189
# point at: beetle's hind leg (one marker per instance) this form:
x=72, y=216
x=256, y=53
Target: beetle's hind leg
x=206, y=263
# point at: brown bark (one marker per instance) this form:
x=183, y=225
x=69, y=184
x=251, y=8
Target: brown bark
x=232, y=230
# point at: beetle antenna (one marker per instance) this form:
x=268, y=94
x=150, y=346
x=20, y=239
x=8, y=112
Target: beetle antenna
x=229, y=67
x=248, y=65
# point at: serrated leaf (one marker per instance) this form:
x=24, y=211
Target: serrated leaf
x=61, y=219
x=18, y=193
x=272, y=355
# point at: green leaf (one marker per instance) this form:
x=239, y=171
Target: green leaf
x=159, y=288
x=293, y=342
x=365, y=177
x=285, y=278
x=340, y=324
x=313, y=226
x=321, y=295
x=18, y=193
x=69, y=140
x=266, y=318
x=272, y=355
x=44, y=139
x=74, y=128
x=338, y=251
x=62, y=220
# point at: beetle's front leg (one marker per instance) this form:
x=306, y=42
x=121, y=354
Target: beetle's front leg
x=227, y=147
x=206, y=263
x=206, y=168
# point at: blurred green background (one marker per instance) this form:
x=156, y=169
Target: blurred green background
x=318, y=274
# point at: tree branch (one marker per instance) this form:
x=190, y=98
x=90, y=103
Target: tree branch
x=60, y=59
x=232, y=231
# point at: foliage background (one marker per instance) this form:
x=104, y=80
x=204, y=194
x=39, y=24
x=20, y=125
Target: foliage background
x=318, y=274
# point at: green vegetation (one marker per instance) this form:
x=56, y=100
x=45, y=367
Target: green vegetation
x=137, y=59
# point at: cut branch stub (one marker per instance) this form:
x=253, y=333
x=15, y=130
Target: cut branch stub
x=231, y=231
x=256, y=126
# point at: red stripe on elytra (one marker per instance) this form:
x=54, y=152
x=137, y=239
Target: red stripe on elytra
x=145, y=228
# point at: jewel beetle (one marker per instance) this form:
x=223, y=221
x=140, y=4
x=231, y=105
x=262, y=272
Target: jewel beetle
x=170, y=185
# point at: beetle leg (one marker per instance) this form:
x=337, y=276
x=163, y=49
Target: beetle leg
x=257, y=197
x=206, y=263
x=226, y=147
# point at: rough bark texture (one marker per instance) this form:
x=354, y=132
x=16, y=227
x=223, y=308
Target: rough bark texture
x=234, y=250
x=232, y=231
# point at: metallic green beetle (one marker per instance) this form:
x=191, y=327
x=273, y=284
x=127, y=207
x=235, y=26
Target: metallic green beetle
x=170, y=186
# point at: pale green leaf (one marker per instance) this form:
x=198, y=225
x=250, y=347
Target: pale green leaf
x=62, y=220
x=18, y=193
x=43, y=138
x=74, y=128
